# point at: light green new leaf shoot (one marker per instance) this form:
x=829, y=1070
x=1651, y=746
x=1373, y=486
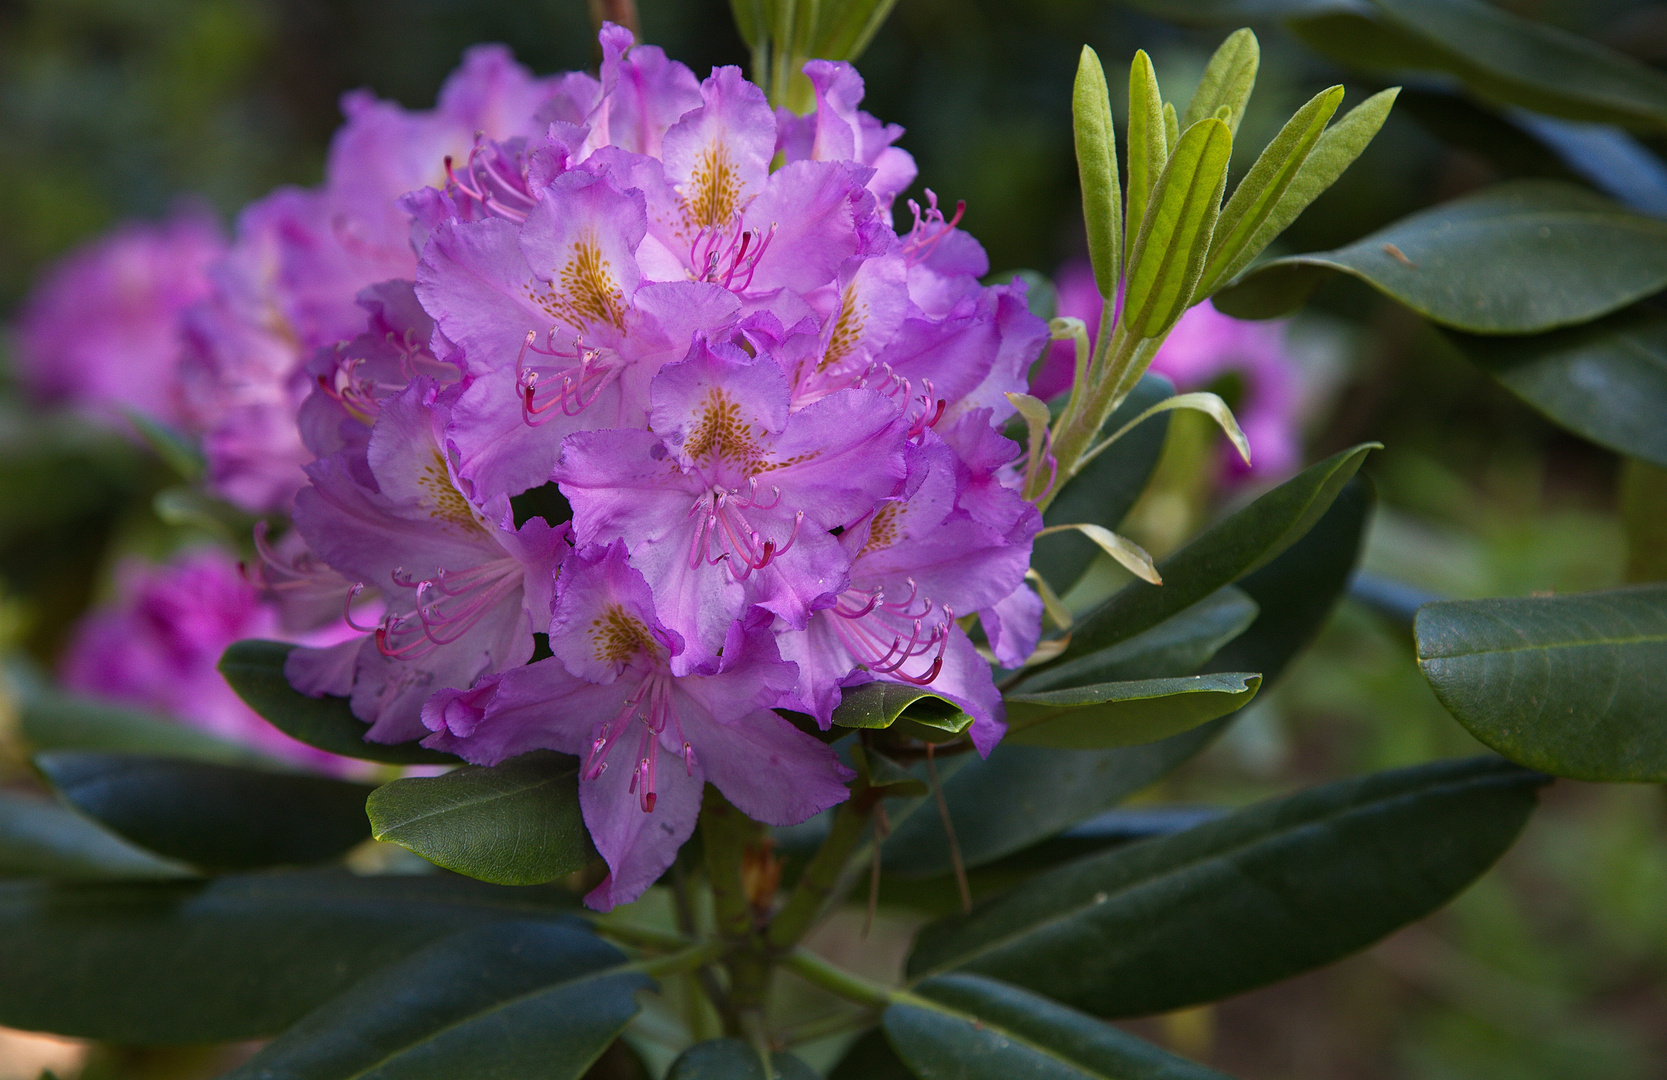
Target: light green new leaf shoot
x=1171, y=127
x=1148, y=144
x=1259, y=193
x=1175, y=235
x=1131, y=555
x=1228, y=80
x=1096, y=143
x=1210, y=405
x=1335, y=151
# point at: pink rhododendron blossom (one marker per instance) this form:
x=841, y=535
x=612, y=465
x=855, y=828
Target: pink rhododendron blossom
x=156, y=645
x=101, y=333
x=1204, y=346
x=649, y=736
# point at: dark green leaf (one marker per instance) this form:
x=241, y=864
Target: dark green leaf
x=734, y=1059
x=871, y=1058
x=1606, y=382
x=1572, y=685
x=228, y=958
x=1224, y=553
x=511, y=999
x=1102, y=493
x=57, y=721
x=1096, y=145
x=513, y=824
x=40, y=840
x=1228, y=79
x=1176, y=646
x=1516, y=258
x=176, y=449
x=970, y=1028
x=1246, y=900
x=878, y=704
x=1297, y=592
x=218, y=817
x=1107, y=715
x=1644, y=513
x=1022, y=794
x=255, y=669
x=1174, y=238
x=879, y=771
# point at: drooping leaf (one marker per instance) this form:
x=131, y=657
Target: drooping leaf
x=1175, y=236
x=255, y=669
x=1107, y=486
x=517, y=823
x=1517, y=258
x=40, y=840
x=1245, y=900
x=1224, y=553
x=1178, y=645
x=1148, y=146
x=1228, y=79
x=1096, y=145
x=734, y=1059
x=974, y=1028
x=1502, y=55
x=1259, y=194
x=1571, y=685
x=1106, y=715
x=218, y=817
x=1606, y=382
x=237, y=957
x=504, y=1000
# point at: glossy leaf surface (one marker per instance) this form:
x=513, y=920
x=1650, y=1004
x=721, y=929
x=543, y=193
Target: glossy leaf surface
x=56, y=721
x=1178, y=645
x=508, y=999
x=1517, y=258
x=1606, y=382
x=255, y=669
x=973, y=1028
x=517, y=823
x=218, y=817
x=41, y=840
x=1260, y=895
x=237, y=957
x=1105, y=715
x=1571, y=685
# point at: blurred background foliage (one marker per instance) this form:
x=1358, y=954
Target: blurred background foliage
x=1555, y=965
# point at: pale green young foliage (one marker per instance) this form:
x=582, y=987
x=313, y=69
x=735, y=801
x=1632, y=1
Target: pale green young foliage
x=783, y=34
x=1227, y=82
x=1148, y=144
x=1102, y=199
x=1175, y=235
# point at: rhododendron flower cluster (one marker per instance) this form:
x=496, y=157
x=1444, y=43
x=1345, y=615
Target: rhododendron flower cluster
x=684, y=315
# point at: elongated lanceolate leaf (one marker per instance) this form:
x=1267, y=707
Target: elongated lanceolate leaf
x=1178, y=645
x=517, y=823
x=1606, y=382
x=1148, y=146
x=1096, y=144
x=57, y=721
x=1246, y=900
x=218, y=817
x=1175, y=235
x=1571, y=685
x=41, y=840
x=1105, y=715
x=255, y=669
x=734, y=1059
x=1518, y=258
x=1228, y=79
x=1258, y=196
x=506, y=1000
x=973, y=1028
x=1221, y=555
x=229, y=958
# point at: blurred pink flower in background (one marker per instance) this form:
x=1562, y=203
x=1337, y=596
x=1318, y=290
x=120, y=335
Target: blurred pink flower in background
x=156, y=644
x=1204, y=346
x=101, y=333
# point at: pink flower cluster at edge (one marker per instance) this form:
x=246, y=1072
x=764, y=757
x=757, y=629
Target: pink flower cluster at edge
x=1204, y=346
x=775, y=420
